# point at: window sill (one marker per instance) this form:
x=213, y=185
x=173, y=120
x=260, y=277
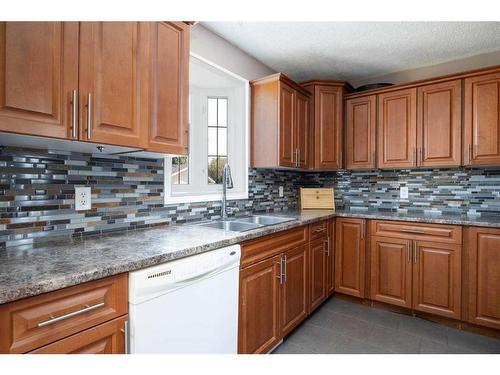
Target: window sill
x=203, y=198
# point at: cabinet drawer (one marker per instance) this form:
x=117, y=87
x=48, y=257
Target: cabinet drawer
x=261, y=248
x=33, y=322
x=417, y=231
x=318, y=230
x=106, y=338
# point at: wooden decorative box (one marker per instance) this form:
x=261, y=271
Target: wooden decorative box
x=317, y=198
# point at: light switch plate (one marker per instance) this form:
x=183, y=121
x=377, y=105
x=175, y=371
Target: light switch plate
x=83, y=198
x=280, y=191
x=403, y=192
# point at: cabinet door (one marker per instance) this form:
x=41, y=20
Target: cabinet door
x=294, y=290
x=302, y=127
x=259, y=328
x=391, y=270
x=38, y=73
x=287, y=126
x=483, y=260
x=114, y=66
x=437, y=278
x=169, y=126
x=350, y=256
x=330, y=259
x=482, y=120
x=107, y=338
x=397, y=124
x=360, y=132
x=440, y=124
x=318, y=269
x=328, y=124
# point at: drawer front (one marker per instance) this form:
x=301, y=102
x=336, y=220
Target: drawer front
x=256, y=250
x=33, y=322
x=106, y=338
x=318, y=230
x=417, y=231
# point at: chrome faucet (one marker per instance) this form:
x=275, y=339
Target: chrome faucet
x=227, y=183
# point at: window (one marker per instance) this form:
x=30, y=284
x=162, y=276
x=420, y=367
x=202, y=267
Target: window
x=218, y=116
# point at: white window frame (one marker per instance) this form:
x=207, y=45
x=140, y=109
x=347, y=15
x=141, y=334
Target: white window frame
x=198, y=189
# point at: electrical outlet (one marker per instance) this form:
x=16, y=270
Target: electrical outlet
x=280, y=191
x=403, y=192
x=83, y=198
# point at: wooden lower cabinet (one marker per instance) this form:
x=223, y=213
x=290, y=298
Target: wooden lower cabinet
x=437, y=278
x=294, y=288
x=318, y=267
x=107, y=338
x=350, y=256
x=483, y=276
x=391, y=271
x=330, y=259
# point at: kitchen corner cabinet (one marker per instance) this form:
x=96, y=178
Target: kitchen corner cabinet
x=483, y=276
x=350, y=238
x=361, y=122
x=327, y=122
x=118, y=83
x=482, y=120
x=279, y=123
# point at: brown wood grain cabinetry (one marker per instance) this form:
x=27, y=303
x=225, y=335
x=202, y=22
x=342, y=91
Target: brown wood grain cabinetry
x=350, y=256
x=483, y=276
x=169, y=127
x=38, y=73
x=439, y=125
x=482, y=120
x=280, y=123
x=327, y=119
x=107, y=338
x=397, y=129
x=361, y=121
x=318, y=259
x=34, y=322
x=330, y=259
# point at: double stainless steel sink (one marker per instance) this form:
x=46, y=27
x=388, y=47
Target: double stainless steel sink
x=242, y=224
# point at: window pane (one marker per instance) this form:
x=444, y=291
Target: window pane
x=180, y=170
x=214, y=170
x=222, y=142
x=222, y=112
x=212, y=141
x=212, y=111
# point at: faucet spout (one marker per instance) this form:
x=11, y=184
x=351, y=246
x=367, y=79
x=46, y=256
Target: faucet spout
x=227, y=183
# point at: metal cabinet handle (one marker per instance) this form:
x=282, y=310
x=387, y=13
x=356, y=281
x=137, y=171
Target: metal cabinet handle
x=415, y=251
x=74, y=113
x=298, y=157
x=415, y=156
x=412, y=231
x=363, y=230
x=89, y=116
x=318, y=230
x=53, y=320
x=125, y=331
x=327, y=241
x=281, y=270
x=470, y=153
x=408, y=257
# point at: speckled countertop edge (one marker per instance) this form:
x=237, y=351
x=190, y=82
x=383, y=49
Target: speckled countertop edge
x=25, y=273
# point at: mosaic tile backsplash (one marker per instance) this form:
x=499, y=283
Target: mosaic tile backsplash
x=37, y=193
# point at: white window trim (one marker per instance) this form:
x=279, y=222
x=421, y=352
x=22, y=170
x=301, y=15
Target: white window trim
x=215, y=191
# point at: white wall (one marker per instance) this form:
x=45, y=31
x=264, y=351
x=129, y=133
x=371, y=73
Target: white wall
x=469, y=63
x=219, y=51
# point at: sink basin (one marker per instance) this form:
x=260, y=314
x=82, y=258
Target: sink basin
x=264, y=220
x=231, y=225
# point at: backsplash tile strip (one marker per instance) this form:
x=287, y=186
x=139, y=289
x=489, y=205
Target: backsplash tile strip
x=37, y=193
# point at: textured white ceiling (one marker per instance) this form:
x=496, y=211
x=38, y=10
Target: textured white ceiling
x=357, y=50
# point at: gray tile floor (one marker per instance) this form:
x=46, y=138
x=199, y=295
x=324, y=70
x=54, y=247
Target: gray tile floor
x=344, y=327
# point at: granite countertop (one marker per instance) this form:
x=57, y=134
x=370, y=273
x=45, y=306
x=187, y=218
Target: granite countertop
x=60, y=264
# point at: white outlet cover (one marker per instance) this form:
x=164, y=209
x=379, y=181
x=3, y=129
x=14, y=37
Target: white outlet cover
x=83, y=198
x=280, y=191
x=403, y=192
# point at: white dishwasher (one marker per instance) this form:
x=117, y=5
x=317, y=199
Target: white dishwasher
x=186, y=306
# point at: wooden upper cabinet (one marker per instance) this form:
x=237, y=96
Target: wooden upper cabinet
x=287, y=137
x=114, y=68
x=350, y=256
x=361, y=121
x=397, y=126
x=437, y=278
x=391, y=273
x=482, y=120
x=326, y=123
x=439, y=125
x=38, y=73
x=280, y=123
x=169, y=126
x=483, y=276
